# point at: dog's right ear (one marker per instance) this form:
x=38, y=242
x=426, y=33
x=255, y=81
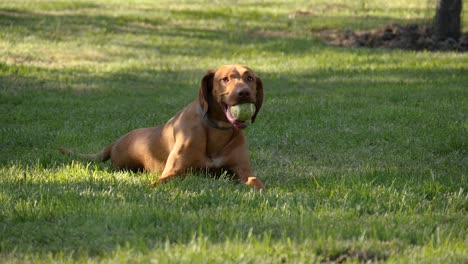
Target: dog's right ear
x=206, y=86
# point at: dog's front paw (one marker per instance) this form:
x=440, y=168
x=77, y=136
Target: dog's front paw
x=255, y=182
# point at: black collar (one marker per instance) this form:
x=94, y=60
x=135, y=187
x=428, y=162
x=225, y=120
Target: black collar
x=210, y=122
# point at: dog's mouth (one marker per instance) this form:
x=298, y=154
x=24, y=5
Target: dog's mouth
x=236, y=123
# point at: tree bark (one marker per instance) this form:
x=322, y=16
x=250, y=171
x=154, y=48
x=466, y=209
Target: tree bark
x=447, y=19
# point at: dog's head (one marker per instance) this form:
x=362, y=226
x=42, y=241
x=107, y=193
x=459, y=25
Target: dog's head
x=227, y=86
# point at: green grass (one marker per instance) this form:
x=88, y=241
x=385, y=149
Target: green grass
x=363, y=152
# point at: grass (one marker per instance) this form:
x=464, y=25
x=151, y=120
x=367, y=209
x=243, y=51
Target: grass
x=363, y=152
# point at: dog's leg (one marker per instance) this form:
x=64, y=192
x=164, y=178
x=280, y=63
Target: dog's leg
x=240, y=165
x=248, y=179
x=244, y=172
x=253, y=181
x=179, y=161
x=171, y=170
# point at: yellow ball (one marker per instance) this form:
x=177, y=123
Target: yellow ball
x=242, y=112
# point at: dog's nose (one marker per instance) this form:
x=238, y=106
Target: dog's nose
x=243, y=93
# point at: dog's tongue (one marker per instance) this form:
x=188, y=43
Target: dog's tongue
x=233, y=120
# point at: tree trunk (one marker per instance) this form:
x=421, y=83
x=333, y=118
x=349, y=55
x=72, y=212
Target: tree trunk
x=447, y=19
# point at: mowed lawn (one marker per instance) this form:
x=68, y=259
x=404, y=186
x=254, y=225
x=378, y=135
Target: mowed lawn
x=363, y=151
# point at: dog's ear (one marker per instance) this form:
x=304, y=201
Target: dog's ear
x=206, y=86
x=259, y=99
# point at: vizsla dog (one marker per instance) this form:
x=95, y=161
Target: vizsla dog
x=202, y=136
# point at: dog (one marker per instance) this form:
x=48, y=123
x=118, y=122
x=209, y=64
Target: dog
x=202, y=136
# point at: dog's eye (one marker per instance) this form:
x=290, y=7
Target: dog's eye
x=250, y=78
x=225, y=79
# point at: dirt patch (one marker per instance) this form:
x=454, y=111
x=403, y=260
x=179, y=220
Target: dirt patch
x=408, y=37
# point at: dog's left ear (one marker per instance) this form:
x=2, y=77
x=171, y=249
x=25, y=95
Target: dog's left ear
x=259, y=99
x=206, y=86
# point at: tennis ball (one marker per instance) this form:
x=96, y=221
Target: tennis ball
x=242, y=112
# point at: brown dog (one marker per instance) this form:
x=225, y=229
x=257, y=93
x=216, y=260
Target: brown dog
x=203, y=136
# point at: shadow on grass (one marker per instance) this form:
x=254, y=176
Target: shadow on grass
x=88, y=111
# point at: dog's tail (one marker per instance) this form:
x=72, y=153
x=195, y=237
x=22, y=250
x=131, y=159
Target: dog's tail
x=104, y=155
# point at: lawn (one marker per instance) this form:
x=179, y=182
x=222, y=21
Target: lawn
x=364, y=152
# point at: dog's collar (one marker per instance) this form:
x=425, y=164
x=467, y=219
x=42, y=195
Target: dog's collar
x=210, y=122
